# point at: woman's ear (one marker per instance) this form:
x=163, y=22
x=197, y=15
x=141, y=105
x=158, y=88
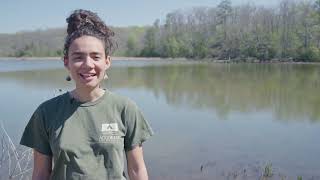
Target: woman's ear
x=108, y=62
x=66, y=62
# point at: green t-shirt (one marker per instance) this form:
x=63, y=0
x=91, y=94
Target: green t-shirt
x=86, y=140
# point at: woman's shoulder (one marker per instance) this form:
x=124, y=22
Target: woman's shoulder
x=50, y=109
x=121, y=100
x=58, y=101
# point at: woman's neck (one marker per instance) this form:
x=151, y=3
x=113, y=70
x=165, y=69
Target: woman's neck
x=84, y=95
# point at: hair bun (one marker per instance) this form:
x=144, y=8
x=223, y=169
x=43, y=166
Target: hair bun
x=81, y=18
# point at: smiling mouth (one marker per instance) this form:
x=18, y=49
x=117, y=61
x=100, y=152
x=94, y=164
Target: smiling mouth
x=87, y=75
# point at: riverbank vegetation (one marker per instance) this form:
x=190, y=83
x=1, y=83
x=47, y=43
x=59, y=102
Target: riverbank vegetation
x=289, y=31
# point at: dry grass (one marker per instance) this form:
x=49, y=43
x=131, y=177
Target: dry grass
x=15, y=161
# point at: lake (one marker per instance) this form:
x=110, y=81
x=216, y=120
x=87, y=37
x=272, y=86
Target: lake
x=211, y=120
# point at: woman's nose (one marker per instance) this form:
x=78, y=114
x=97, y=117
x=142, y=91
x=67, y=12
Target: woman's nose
x=88, y=62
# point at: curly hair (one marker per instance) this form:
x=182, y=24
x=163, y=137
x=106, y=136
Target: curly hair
x=86, y=23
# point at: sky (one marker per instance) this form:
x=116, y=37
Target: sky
x=28, y=15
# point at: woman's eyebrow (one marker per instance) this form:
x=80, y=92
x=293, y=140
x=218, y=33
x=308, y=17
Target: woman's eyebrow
x=95, y=53
x=77, y=53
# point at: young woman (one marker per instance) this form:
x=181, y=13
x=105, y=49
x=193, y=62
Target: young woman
x=88, y=132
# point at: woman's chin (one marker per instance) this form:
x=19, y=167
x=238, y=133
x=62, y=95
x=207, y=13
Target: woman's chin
x=88, y=84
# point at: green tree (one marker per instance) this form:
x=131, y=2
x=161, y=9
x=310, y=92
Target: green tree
x=224, y=11
x=171, y=47
x=131, y=46
x=149, y=49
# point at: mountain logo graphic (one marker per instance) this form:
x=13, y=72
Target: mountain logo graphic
x=112, y=127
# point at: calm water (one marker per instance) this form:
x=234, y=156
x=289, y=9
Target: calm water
x=211, y=121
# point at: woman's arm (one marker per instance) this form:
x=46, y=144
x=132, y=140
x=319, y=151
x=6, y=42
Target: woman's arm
x=136, y=167
x=42, y=166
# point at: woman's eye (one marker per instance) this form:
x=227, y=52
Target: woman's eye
x=96, y=58
x=77, y=58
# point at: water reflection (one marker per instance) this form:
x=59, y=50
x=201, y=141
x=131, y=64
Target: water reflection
x=288, y=91
x=219, y=116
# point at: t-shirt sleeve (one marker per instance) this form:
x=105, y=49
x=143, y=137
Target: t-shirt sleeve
x=138, y=129
x=35, y=134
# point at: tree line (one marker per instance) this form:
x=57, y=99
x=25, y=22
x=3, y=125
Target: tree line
x=49, y=42
x=289, y=31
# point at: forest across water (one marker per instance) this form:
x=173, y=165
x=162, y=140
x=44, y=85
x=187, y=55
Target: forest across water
x=289, y=31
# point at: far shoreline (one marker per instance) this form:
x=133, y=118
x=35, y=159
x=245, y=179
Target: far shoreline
x=116, y=58
x=123, y=58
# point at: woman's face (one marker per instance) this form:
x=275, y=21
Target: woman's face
x=87, y=62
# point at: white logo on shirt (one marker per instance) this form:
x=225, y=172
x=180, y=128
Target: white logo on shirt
x=109, y=133
x=112, y=127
